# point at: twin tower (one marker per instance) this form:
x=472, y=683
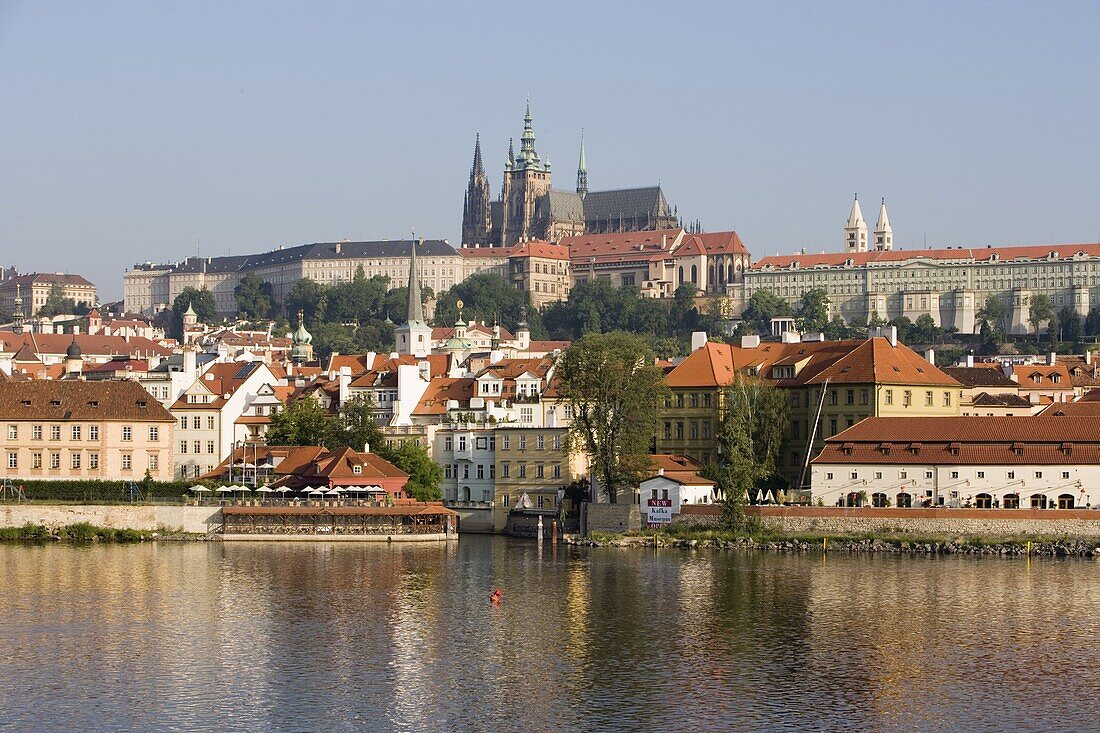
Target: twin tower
x=855, y=234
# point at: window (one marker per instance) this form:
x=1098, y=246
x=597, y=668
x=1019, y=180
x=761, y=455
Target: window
x=448, y=444
x=832, y=426
x=522, y=470
x=679, y=429
x=557, y=441
x=55, y=432
x=480, y=471
x=693, y=429
x=55, y=460
x=505, y=470
x=36, y=460
x=447, y=471
x=1065, y=474
x=850, y=397
x=93, y=432
x=928, y=398
x=557, y=470
x=947, y=399
x=127, y=433
x=197, y=446
x=878, y=474
x=36, y=432
x=907, y=398
x=526, y=414
x=75, y=432
x=540, y=442
x=694, y=399
x=462, y=443
x=706, y=399
x=706, y=430
x=854, y=475
x=1011, y=474
x=357, y=470
x=863, y=397
x=505, y=442
x=183, y=423
x=183, y=446
x=13, y=459
x=954, y=474
x=127, y=461
x=832, y=397
x=13, y=432
x=679, y=399
x=1038, y=474
x=492, y=471
x=523, y=442
x=829, y=476
x=539, y=470
x=154, y=434
x=888, y=397
x=928, y=474
x=209, y=422
x=505, y=500
x=981, y=474
x=154, y=462
x=74, y=461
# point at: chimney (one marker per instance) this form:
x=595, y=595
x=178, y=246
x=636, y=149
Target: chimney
x=345, y=384
x=366, y=447
x=698, y=340
x=930, y=356
x=190, y=361
x=1052, y=359
x=750, y=342
x=369, y=360
x=970, y=360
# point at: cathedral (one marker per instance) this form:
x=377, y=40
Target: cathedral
x=529, y=208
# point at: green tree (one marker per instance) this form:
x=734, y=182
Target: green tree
x=904, y=327
x=1092, y=322
x=355, y=425
x=255, y=297
x=308, y=296
x=749, y=439
x=200, y=301
x=1069, y=324
x=994, y=315
x=813, y=311
x=924, y=330
x=763, y=306
x=489, y=298
x=613, y=388
x=1040, y=311
x=836, y=329
x=302, y=422
x=56, y=303
x=425, y=475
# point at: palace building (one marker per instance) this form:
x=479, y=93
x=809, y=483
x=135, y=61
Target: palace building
x=530, y=208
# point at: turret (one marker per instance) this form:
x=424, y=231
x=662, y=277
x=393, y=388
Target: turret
x=302, y=349
x=855, y=234
x=18, y=316
x=74, y=361
x=582, y=171
x=884, y=233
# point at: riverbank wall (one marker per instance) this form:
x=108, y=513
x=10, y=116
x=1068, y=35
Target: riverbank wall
x=143, y=517
x=993, y=523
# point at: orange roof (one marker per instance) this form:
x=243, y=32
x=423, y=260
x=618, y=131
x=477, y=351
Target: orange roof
x=967, y=254
x=220, y=379
x=1042, y=376
x=599, y=245
x=440, y=390
x=58, y=344
x=538, y=248
x=722, y=243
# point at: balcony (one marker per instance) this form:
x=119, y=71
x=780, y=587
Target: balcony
x=526, y=399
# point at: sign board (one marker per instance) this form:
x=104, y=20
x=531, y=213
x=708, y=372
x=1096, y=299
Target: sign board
x=658, y=512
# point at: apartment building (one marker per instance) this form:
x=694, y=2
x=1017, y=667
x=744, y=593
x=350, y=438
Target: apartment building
x=83, y=430
x=36, y=287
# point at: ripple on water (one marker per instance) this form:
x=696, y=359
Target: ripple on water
x=334, y=637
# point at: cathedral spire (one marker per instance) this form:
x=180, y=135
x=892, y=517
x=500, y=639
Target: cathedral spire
x=477, y=169
x=582, y=170
x=416, y=308
x=528, y=156
x=855, y=234
x=511, y=162
x=884, y=233
x=476, y=217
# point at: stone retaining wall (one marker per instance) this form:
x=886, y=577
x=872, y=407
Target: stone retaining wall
x=192, y=519
x=866, y=520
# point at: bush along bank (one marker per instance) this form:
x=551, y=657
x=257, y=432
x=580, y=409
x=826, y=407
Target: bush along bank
x=80, y=532
x=96, y=491
x=898, y=544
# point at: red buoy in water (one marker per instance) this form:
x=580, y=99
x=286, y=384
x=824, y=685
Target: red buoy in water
x=495, y=597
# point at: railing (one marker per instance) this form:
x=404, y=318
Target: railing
x=526, y=399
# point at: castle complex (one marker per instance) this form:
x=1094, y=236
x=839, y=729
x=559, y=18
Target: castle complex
x=530, y=208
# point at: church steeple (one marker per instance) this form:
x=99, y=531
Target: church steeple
x=510, y=163
x=416, y=308
x=528, y=156
x=884, y=233
x=476, y=216
x=582, y=170
x=855, y=234
x=18, y=316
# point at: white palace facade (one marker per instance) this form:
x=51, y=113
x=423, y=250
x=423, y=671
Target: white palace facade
x=951, y=284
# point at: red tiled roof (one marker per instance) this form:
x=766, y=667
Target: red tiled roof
x=440, y=390
x=50, y=278
x=959, y=253
x=538, y=248
x=618, y=245
x=79, y=400
x=58, y=344
x=1041, y=376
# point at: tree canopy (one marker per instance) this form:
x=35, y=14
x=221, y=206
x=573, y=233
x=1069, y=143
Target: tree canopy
x=255, y=297
x=764, y=305
x=200, y=301
x=813, y=311
x=1039, y=311
x=487, y=297
x=57, y=304
x=613, y=388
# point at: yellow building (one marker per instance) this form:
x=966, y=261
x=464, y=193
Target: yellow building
x=837, y=382
x=83, y=430
x=532, y=466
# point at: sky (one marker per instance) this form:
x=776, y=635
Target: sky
x=138, y=131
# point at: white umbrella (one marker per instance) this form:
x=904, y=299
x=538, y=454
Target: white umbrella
x=226, y=489
x=198, y=489
x=334, y=492
x=283, y=489
x=374, y=489
x=265, y=490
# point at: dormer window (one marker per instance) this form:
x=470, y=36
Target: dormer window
x=1056, y=378
x=357, y=470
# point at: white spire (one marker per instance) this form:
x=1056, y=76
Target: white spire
x=855, y=234
x=884, y=233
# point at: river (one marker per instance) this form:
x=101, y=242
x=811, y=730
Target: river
x=354, y=637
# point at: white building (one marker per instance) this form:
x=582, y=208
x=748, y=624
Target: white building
x=979, y=462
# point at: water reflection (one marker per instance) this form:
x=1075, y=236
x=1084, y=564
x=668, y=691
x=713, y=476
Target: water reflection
x=333, y=637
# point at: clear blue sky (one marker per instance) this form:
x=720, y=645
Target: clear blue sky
x=151, y=130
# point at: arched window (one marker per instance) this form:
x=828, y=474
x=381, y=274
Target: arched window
x=905, y=500
x=681, y=274
x=1011, y=501
x=729, y=274
x=1038, y=501
x=1065, y=501
x=878, y=499
x=694, y=274
x=983, y=501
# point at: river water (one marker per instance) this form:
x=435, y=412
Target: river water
x=353, y=637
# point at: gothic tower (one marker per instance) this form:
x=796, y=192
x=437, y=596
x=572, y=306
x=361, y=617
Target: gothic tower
x=582, y=171
x=476, y=220
x=526, y=181
x=855, y=234
x=415, y=335
x=884, y=233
